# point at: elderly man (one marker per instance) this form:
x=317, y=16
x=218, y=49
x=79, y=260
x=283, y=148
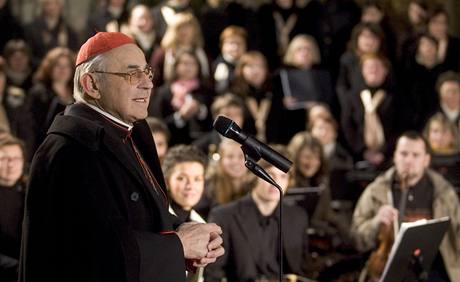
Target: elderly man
x=97, y=207
x=423, y=192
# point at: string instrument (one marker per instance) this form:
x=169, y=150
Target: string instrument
x=386, y=236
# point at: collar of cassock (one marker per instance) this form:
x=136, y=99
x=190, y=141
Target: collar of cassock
x=125, y=129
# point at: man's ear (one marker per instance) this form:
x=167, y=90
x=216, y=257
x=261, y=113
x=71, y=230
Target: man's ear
x=89, y=86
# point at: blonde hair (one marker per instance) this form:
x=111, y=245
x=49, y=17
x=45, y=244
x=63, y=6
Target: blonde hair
x=446, y=124
x=171, y=39
x=294, y=45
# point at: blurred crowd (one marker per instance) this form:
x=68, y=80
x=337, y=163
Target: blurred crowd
x=371, y=82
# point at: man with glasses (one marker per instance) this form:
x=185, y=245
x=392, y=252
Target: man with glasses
x=97, y=206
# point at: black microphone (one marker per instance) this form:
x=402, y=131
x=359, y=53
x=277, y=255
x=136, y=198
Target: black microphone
x=230, y=129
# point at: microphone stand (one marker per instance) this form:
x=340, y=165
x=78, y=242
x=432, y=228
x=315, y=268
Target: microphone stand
x=251, y=157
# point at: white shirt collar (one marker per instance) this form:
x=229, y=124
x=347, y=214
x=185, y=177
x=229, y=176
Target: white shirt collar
x=452, y=115
x=109, y=116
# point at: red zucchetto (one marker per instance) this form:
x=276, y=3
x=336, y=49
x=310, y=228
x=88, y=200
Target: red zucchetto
x=101, y=43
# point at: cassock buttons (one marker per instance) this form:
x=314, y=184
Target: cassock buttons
x=134, y=196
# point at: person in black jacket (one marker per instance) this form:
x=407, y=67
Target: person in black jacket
x=250, y=232
x=12, y=190
x=96, y=206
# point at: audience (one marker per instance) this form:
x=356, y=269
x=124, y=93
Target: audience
x=257, y=49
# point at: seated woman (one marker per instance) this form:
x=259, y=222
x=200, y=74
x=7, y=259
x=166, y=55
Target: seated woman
x=227, y=177
x=442, y=135
x=252, y=84
x=296, y=87
x=250, y=233
x=367, y=119
x=12, y=192
x=184, y=102
x=310, y=171
x=184, y=168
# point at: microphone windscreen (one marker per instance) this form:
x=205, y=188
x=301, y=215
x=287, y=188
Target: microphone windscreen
x=222, y=124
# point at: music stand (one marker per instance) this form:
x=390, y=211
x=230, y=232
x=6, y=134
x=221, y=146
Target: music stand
x=413, y=253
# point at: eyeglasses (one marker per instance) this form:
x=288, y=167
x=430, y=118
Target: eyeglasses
x=134, y=76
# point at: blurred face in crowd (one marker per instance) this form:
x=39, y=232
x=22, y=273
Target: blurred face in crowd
x=179, y=3
x=438, y=26
x=117, y=3
x=141, y=19
x=186, y=34
x=427, y=49
x=303, y=55
x=132, y=105
x=368, y=42
x=18, y=62
x=265, y=191
x=187, y=67
x=62, y=70
x=234, y=113
x=11, y=164
x=324, y=131
x=372, y=14
x=232, y=159
x=417, y=14
x=161, y=143
x=449, y=93
x=51, y=8
x=374, y=72
x=233, y=46
x=411, y=159
x=186, y=184
x=255, y=72
x=439, y=136
x=285, y=4
x=308, y=162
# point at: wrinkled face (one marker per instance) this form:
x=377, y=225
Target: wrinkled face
x=234, y=46
x=186, y=184
x=161, y=144
x=438, y=26
x=427, y=49
x=308, y=162
x=11, y=165
x=450, y=95
x=255, y=72
x=141, y=19
x=411, y=158
x=267, y=192
x=62, y=70
x=18, y=62
x=416, y=14
x=303, y=55
x=368, y=42
x=118, y=97
x=232, y=160
x=324, y=131
x=372, y=15
x=187, y=67
x=374, y=72
x=234, y=113
x=439, y=136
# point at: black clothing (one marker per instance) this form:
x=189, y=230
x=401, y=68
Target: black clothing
x=91, y=213
x=242, y=237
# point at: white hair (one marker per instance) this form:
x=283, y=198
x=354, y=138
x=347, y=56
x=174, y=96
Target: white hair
x=97, y=63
